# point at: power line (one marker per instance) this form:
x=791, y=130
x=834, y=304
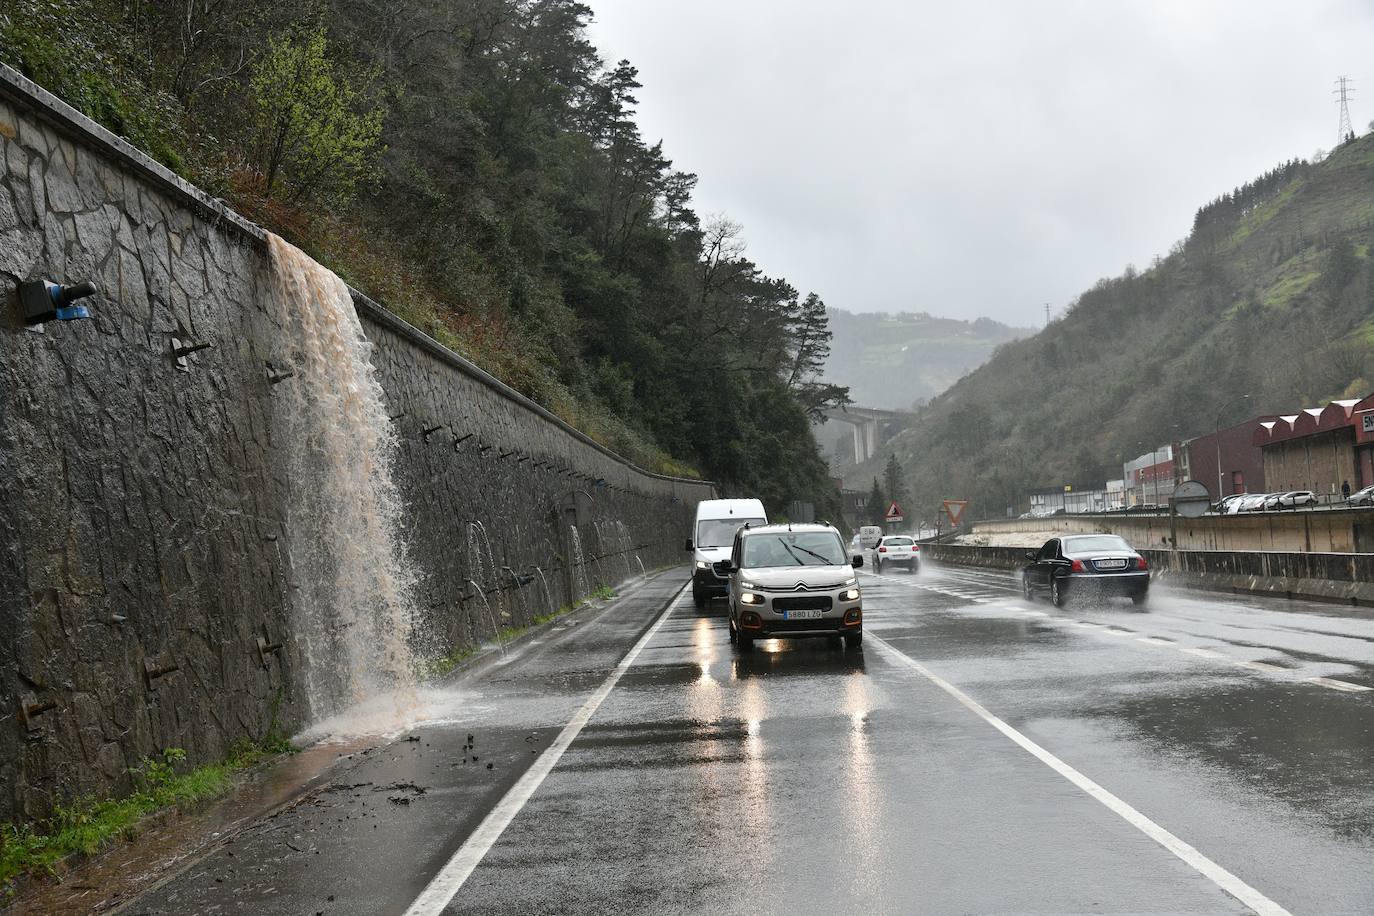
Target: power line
x=1343, y=92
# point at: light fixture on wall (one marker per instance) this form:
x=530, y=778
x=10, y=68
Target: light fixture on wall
x=44, y=300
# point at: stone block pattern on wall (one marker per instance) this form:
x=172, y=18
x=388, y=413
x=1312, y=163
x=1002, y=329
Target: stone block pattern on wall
x=143, y=551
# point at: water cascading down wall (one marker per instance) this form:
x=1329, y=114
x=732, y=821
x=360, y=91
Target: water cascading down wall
x=241, y=496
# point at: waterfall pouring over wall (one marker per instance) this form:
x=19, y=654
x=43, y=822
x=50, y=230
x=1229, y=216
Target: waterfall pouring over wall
x=352, y=611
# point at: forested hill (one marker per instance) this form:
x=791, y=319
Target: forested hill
x=895, y=360
x=1271, y=294
x=476, y=166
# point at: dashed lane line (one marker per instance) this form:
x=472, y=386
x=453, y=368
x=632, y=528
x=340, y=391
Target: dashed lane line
x=446, y=884
x=1335, y=684
x=1204, y=866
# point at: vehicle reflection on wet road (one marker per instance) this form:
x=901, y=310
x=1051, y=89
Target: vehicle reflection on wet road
x=981, y=753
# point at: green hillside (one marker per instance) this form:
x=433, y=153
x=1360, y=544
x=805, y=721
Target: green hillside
x=1271, y=294
x=894, y=360
x=477, y=167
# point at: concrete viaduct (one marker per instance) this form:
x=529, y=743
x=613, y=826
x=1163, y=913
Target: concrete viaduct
x=871, y=427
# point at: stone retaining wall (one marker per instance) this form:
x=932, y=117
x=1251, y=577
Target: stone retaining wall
x=145, y=585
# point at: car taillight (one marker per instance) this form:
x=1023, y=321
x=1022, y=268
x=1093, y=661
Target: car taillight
x=882, y=550
x=1077, y=566
x=1141, y=564
x=915, y=548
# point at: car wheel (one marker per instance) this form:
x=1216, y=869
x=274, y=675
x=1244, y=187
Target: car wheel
x=1058, y=596
x=853, y=640
x=877, y=566
x=745, y=643
x=734, y=633
x=914, y=568
x=1026, y=587
x=698, y=599
x=1141, y=599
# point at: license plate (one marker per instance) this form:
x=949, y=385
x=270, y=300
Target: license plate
x=802, y=615
x=1111, y=564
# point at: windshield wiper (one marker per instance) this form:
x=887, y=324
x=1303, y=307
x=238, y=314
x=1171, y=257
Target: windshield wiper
x=826, y=560
x=788, y=548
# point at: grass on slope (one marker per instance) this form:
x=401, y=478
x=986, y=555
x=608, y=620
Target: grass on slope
x=89, y=825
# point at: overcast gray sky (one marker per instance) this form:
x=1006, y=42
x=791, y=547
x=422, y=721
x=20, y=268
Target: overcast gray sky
x=980, y=158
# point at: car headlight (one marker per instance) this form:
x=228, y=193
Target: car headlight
x=701, y=564
x=749, y=598
x=849, y=594
x=747, y=585
x=851, y=581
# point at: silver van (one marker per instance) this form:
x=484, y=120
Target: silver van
x=790, y=581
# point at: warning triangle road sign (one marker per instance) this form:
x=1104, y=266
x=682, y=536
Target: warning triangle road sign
x=954, y=508
x=894, y=513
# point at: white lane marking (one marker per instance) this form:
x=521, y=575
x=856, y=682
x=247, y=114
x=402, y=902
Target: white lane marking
x=1189, y=854
x=1338, y=685
x=1260, y=666
x=442, y=888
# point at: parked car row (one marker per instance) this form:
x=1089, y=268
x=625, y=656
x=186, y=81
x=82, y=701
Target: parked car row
x=1267, y=502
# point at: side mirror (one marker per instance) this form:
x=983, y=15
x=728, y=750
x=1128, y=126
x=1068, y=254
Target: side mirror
x=1032, y=557
x=723, y=567
x=689, y=544
x=857, y=562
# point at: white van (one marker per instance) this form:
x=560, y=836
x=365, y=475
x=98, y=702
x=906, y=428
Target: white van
x=712, y=536
x=869, y=536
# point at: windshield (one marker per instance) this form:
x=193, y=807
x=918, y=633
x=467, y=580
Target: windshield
x=720, y=532
x=811, y=548
x=1103, y=542
x=897, y=542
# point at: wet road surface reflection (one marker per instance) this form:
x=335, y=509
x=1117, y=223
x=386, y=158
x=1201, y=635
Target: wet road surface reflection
x=804, y=777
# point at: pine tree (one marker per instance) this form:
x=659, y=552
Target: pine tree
x=895, y=480
x=877, y=505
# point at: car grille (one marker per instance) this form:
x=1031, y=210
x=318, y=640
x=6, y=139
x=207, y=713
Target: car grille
x=827, y=587
x=807, y=603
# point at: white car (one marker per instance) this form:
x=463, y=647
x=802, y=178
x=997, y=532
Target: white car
x=1363, y=497
x=898, y=550
x=1296, y=499
x=1230, y=505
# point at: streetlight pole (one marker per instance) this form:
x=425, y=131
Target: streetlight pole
x=1216, y=436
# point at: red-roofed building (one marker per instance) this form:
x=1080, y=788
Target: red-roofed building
x=1241, y=464
x=1319, y=448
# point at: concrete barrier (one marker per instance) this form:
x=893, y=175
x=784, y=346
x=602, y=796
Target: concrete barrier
x=1298, y=531
x=1347, y=578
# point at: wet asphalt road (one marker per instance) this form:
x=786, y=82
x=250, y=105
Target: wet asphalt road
x=803, y=777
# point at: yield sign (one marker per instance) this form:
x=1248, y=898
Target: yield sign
x=894, y=513
x=954, y=508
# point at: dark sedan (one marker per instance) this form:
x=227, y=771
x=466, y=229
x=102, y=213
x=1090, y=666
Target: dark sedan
x=1097, y=564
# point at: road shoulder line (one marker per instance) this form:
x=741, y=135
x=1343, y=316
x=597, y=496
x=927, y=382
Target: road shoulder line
x=444, y=886
x=1190, y=855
